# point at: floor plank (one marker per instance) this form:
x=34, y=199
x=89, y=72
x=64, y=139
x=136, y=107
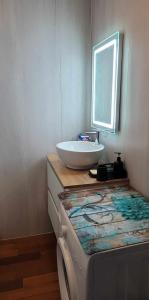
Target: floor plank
x=9, y=250
x=34, y=286
x=28, y=269
x=49, y=296
x=11, y=285
x=19, y=258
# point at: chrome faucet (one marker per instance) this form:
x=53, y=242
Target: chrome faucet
x=94, y=136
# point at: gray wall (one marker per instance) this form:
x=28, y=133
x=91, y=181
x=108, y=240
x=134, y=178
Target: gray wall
x=44, y=47
x=132, y=18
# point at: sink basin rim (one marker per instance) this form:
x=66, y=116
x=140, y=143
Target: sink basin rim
x=80, y=146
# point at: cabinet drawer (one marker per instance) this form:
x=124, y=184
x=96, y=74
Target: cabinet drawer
x=54, y=215
x=54, y=185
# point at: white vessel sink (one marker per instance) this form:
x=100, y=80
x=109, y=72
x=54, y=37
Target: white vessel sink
x=78, y=154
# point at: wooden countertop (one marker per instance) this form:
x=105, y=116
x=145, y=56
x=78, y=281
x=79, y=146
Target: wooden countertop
x=75, y=178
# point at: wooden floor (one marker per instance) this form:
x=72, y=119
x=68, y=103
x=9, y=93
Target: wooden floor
x=28, y=269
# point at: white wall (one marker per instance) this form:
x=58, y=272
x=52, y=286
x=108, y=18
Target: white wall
x=132, y=18
x=43, y=94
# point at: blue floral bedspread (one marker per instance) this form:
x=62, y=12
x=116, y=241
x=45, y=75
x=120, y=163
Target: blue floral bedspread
x=107, y=218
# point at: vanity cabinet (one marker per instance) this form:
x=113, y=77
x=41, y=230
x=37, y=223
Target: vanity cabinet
x=62, y=179
x=117, y=274
x=54, y=188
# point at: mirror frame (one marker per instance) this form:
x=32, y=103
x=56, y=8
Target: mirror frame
x=115, y=40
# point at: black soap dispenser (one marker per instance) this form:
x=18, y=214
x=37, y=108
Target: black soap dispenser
x=119, y=168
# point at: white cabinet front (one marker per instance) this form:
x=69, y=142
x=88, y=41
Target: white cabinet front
x=54, y=215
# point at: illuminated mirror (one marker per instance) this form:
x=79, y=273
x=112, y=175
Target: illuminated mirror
x=106, y=80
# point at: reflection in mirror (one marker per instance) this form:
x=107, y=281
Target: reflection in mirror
x=106, y=79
